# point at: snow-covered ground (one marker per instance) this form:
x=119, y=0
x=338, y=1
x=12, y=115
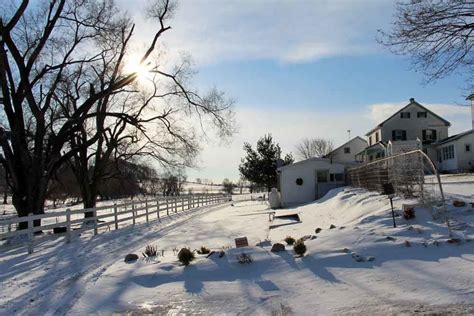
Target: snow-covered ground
x=426, y=275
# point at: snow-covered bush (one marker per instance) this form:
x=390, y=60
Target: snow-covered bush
x=150, y=251
x=203, y=250
x=185, y=256
x=289, y=240
x=299, y=247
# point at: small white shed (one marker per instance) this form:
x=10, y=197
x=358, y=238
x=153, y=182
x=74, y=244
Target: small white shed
x=310, y=179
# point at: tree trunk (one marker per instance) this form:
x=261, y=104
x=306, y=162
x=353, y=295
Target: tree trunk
x=25, y=204
x=89, y=198
x=5, y=197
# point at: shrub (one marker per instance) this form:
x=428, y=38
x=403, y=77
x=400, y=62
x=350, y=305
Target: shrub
x=150, y=251
x=244, y=258
x=185, y=256
x=203, y=250
x=299, y=247
x=289, y=240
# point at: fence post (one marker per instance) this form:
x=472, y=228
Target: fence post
x=182, y=203
x=95, y=221
x=158, y=208
x=133, y=212
x=167, y=207
x=115, y=216
x=30, y=234
x=68, y=225
x=146, y=211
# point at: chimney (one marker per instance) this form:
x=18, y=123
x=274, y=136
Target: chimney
x=412, y=100
x=471, y=98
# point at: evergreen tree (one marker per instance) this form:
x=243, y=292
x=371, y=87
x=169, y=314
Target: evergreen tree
x=260, y=165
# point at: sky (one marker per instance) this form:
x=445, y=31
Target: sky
x=298, y=69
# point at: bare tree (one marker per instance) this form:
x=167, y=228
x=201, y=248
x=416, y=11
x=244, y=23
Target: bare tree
x=63, y=82
x=438, y=35
x=227, y=186
x=313, y=147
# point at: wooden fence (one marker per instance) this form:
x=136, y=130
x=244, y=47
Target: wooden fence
x=72, y=222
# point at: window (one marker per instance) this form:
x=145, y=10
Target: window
x=322, y=176
x=339, y=177
x=467, y=147
x=299, y=181
x=405, y=115
x=448, y=152
x=429, y=134
x=370, y=140
x=347, y=150
x=399, y=134
x=376, y=137
x=421, y=114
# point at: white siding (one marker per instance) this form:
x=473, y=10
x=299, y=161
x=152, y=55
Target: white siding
x=414, y=126
x=291, y=193
x=355, y=146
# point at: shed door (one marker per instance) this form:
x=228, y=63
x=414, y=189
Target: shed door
x=322, y=183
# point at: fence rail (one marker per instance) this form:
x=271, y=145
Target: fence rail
x=72, y=222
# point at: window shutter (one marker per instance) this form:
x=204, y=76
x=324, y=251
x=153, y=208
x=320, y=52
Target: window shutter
x=404, y=135
x=393, y=135
x=434, y=135
x=424, y=134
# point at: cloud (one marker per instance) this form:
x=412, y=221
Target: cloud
x=288, y=31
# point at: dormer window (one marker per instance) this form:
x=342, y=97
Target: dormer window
x=405, y=115
x=421, y=114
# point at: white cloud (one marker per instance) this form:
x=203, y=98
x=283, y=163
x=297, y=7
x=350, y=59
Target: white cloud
x=287, y=31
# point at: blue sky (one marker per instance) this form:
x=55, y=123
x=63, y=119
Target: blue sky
x=299, y=69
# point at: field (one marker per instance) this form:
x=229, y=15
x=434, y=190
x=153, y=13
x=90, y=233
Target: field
x=360, y=266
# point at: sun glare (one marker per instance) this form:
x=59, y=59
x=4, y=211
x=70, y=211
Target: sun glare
x=141, y=69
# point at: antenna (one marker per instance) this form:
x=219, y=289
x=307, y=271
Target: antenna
x=349, y=134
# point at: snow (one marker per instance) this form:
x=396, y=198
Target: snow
x=89, y=276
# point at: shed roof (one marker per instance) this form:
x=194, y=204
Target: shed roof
x=454, y=137
x=303, y=162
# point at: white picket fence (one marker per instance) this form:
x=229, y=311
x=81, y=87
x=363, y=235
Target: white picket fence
x=72, y=222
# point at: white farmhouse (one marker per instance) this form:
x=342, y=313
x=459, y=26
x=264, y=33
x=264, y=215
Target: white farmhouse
x=310, y=179
x=412, y=127
x=347, y=151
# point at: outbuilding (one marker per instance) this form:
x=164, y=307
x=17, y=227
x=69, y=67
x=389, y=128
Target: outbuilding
x=310, y=179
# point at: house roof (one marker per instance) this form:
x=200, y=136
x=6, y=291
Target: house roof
x=302, y=162
x=381, y=144
x=357, y=137
x=454, y=137
x=412, y=102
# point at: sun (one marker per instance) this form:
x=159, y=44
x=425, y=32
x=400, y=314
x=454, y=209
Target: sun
x=133, y=65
